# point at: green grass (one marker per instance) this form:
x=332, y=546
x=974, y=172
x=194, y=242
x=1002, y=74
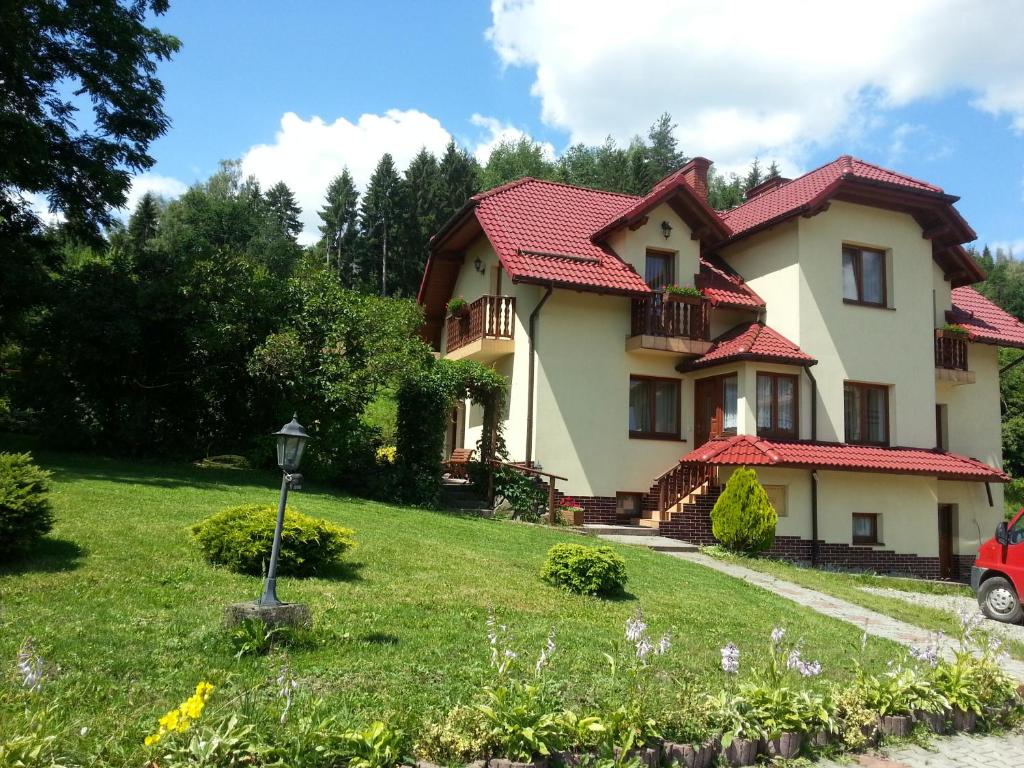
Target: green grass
x=848, y=586
x=120, y=599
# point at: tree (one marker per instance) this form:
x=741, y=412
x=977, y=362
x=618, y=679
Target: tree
x=663, y=150
x=516, y=159
x=144, y=222
x=421, y=218
x=58, y=55
x=460, y=180
x=340, y=228
x=378, y=221
x=754, y=176
x=743, y=518
x=283, y=209
x=641, y=173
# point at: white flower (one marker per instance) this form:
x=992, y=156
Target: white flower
x=643, y=648
x=636, y=627
x=794, y=661
x=83, y=732
x=777, y=634
x=730, y=658
x=31, y=667
x=810, y=669
x=546, y=653
x=286, y=687
x=664, y=644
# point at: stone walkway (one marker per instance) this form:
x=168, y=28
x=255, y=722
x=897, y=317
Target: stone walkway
x=960, y=751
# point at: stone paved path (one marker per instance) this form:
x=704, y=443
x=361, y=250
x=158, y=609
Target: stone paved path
x=960, y=751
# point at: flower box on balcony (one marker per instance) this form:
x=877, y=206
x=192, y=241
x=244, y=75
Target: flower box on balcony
x=683, y=295
x=458, y=307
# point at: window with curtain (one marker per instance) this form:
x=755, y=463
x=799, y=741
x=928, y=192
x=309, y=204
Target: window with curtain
x=654, y=407
x=777, y=405
x=864, y=276
x=729, y=404
x=866, y=413
x=865, y=528
x=659, y=269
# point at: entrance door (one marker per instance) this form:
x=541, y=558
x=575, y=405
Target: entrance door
x=455, y=433
x=947, y=569
x=714, y=406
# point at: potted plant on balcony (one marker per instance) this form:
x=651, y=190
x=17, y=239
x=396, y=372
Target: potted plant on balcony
x=950, y=331
x=684, y=294
x=458, y=307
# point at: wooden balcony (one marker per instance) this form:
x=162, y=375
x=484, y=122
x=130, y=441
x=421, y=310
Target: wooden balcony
x=951, y=358
x=680, y=327
x=485, y=332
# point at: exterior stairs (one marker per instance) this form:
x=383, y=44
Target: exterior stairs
x=640, y=535
x=464, y=498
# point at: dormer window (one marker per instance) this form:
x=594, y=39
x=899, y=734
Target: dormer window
x=864, y=276
x=659, y=269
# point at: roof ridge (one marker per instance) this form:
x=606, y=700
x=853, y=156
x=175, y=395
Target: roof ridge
x=503, y=187
x=785, y=184
x=902, y=175
x=524, y=179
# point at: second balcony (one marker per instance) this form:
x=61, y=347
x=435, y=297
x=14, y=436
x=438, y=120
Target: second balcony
x=677, y=325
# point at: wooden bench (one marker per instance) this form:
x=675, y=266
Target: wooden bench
x=456, y=464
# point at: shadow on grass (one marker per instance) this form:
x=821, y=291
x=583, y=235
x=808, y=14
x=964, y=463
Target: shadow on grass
x=379, y=638
x=343, y=571
x=48, y=556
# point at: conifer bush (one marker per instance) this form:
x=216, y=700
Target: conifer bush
x=25, y=513
x=240, y=539
x=743, y=518
x=585, y=570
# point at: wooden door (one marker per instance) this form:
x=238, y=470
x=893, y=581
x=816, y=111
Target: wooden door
x=707, y=406
x=947, y=568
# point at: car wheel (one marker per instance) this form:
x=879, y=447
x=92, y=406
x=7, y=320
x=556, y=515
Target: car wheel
x=998, y=600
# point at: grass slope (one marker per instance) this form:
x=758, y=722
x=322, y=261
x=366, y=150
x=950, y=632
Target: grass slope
x=121, y=600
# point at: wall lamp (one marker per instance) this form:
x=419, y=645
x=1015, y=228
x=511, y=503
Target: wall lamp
x=478, y=265
x=666, y=229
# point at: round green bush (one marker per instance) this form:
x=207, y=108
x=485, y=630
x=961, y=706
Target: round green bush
x=743, y=518
x=25, y=513
x=585, y=570
x=240, y=539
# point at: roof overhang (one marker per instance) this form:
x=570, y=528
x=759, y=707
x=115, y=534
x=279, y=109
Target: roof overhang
x=704, y=222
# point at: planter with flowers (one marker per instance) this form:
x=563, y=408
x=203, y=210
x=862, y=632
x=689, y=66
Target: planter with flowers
x=569, y=512
x=683, y=294
x=951, y=331
x=458, y=307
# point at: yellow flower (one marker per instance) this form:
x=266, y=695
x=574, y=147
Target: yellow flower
x=178, y=720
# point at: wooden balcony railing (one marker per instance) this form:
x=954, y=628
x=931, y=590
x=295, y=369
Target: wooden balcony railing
x=680, y=481
x=655, y=316
x=489, y=317
x=950, y=351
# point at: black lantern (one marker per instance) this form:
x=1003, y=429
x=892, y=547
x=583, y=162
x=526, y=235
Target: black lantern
x=666, y=229
x=291, y=440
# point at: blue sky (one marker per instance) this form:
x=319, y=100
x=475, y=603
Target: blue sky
x=299, y=89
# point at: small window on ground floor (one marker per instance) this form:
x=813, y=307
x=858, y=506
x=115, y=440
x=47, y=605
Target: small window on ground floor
x=777, y=496
x=654, y=407
x=865, y=528
x=628, y=504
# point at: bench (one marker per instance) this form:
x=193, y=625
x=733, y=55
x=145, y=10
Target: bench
x=456, y=465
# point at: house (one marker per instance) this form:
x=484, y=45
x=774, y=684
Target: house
x=836, y=346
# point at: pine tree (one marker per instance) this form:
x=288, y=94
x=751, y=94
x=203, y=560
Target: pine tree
x=459, y=180
x=419, y=220
x=283, y=210
x=612, y=167
x=773, y=171
x=743, y=518
x=379, y=224
x=641, y=173
x=754, y=176
x=340, y=228
x=663, y=150
x=144, y=222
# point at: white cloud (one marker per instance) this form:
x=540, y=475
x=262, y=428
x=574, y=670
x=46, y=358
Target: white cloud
x=41, y=207
x=497, y=132
x=307, y=154
x=166, y=187
x=1013, y=247
x=752, y=77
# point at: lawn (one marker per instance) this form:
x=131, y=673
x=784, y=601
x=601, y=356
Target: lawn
x=848, y=587
x=120, y=599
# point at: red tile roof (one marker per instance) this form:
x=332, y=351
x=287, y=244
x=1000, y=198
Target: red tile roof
x=985, y=322
x=723, y=287
x=749, y=450
x=789, y=197
x=751, y=341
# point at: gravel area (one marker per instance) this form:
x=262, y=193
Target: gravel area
x=952, y=604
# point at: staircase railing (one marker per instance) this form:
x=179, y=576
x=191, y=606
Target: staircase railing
x=678, y=482
x=530, y=471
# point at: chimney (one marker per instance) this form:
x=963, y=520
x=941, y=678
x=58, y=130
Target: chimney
x=695, y=173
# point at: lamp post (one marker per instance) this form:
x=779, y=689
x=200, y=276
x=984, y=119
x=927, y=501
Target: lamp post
x=291, y=440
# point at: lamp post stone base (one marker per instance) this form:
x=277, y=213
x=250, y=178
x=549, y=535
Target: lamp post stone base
x=281, y=614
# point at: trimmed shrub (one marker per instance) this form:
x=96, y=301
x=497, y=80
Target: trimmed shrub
x=240, y=539
x=585, y=570
x=743, y=519
x=25, y=513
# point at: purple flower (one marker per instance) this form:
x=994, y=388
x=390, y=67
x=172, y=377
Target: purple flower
x=777, y=634
x=31, y=667
x=730, y=658
x=663, y=645
x=810, y=669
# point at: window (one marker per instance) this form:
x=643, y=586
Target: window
x=653, y=407
x=864, y=276
x=865, y=528
x=941, y=421
x=777, y=497
x=777, y=410
x=1016, y=531
x=628, y=504
x=866, y=412
x=659, y=269
x=729, y=404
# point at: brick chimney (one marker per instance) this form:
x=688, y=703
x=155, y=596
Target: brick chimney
x=695, y=173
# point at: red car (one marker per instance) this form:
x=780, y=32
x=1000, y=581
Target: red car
x=997, y=576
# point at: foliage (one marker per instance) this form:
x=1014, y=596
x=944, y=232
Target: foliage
x=513, y=159
x=954, y=330
x=585, y=570
x=228, y=743
x=376, y=746
x=460, y=737
x=25, y=511
x=899, y=691
x=523, y=493
x=457, y=305
x=743, y=519
x=683, y=290
x=425, y=399
x=227, y=461
x=340, y=228
x=254, y=637
x=59, y=57
x=240, y=539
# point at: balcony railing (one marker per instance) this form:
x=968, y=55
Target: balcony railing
x=950, y=351
x=655, y=316
x=489, y=317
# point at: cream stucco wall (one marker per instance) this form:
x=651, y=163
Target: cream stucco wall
x=632, y=245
